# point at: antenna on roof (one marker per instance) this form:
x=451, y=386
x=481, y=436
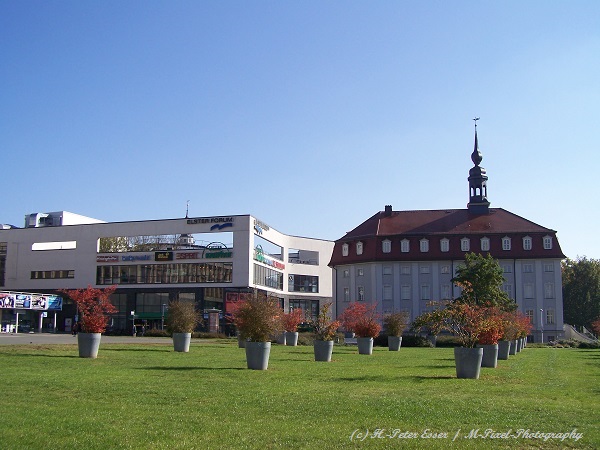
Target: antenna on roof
x=187, y=208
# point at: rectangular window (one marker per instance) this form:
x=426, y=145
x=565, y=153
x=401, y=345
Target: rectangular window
x=446, y=295
x=485, y=245
x=303, y=283
x=445, y=269
x=526, y=243
x=465, y=245
x=424, y=245
x=547, y=243
x=387, y=292
x=529, y=314
x=405, y=270
x=346, y=273
x=298, y=256
x=310, y=308
x=49, y=274
x=346, y=294
x=386, y=246
x=508, y=289
x=263, y=276
x=424, y=269
x=404, y=246
x=405, y=294
x=425, y=292
x=64, y=245
x=550, y=317
x=445, y=245
x=387, y=270
x=506, y=268
x=361, y=293
x=360, y=272
x=528, y=290
x=527, y=268
x=548, y=267
x=548, y=290
x=506, y=243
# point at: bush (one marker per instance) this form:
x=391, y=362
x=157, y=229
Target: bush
x=156, y=333
x=209, y=335
x=590, y=345
x=412, y=340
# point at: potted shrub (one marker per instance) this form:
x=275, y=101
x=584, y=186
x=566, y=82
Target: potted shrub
x=258, y=317
x=394, y=324
x=182, y=320
x=324, y=329
x=492, y=329
x=363, y=319
x=466, y=323
x=94, y=306
x=291, y=321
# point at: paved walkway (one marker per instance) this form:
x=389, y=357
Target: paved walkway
x=62, y=338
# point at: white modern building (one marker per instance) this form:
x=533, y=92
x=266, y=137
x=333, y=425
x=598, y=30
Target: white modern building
x=207, y=260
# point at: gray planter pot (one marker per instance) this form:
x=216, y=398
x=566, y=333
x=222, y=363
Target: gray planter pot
x=490, y=355
x=365, y=345
x=513, y=348
x=394, y=343
x=257, y=355
x=432, y=339
x=291, y=338
x=88, y=344
x=323, y=350
x=503, y=349
x=519, y=345
x=468, y=362
x=241, y=342
x=281, y=339
x=181, y=342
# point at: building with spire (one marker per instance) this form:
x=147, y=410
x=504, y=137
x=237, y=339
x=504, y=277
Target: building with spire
x=403, y=260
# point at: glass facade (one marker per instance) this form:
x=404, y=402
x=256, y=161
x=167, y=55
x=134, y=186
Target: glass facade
x=263, y=276
x=176, y=273
x=303, y=283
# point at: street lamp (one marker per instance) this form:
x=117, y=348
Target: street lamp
x=162, y=316
x=542, y=323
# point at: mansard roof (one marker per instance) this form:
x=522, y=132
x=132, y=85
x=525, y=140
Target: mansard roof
x=453, y=224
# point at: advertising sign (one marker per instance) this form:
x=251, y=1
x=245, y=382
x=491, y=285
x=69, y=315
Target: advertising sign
x=21, y=300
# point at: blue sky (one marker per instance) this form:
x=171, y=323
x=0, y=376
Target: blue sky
x=310, y=115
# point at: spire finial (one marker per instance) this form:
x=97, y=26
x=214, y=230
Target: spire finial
x=187, y=208
x=475, y=119
x=476, y=155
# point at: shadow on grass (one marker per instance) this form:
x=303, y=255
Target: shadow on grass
x=145, y=349
x=190, y=368
x=38, y=355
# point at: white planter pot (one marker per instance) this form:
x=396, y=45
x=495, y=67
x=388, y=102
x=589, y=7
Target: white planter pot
x=323, y=350
x=291, y=338
x=394, y=343
x=88, y=344
x=365, y=345
x=181, y=342
x=257, y=355
x=468, y=362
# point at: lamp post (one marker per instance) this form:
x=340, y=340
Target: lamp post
x=162, y=316
x=542, y=323
x=133, y=322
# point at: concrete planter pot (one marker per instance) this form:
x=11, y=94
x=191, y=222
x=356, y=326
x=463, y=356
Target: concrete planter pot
x=88, y=344
x=323, y=350
x=291, y=338
x=257, y=355
x=468, y=362
x=281, y=339
x=519, y=345
x=394, y=343
x=490, y=355
x=513, y=348
x=503, y=349
x=365, y=345
x=181, y=342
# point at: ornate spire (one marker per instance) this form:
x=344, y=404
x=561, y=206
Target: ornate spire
x=478, y=203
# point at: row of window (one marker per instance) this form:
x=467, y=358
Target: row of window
x=50, y=274
x=445, y=269
x=263, y=276
x=303, y=283
x=445, y=292
x=465, y=245
x=165, y=273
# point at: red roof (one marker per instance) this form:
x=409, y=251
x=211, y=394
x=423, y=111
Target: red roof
x=452, y=224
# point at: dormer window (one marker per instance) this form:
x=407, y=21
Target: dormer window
x=345, y=250
x=547, y=242
x=527, y=243
x=424, y=245
x=485, y=244
x=445, y=245
x=465, y=244
x=505, y=243
x=386, y=246
x=359, y=248
x=404, y=246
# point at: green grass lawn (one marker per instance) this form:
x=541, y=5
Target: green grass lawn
x=149, y=397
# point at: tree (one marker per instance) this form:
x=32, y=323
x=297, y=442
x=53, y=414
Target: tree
x=481, y=278
x=581, y=291
x=94, y=306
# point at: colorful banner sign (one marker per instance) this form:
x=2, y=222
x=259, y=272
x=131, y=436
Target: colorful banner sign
x=21, y=300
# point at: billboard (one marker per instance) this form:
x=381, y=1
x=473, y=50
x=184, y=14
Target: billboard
x=22, y=300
